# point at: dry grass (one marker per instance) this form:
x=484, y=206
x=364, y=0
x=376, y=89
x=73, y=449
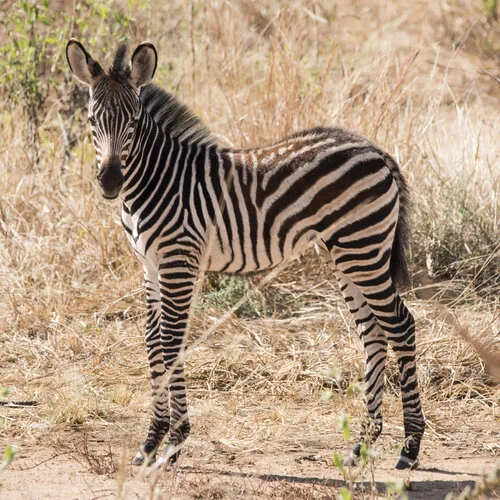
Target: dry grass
x=420, y=80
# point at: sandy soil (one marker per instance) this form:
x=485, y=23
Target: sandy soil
x=93, y=464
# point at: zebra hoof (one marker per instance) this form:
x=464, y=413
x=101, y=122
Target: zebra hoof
x=353, y=458
x=170, y=454
x=140, y=459
x=406, y=463
x=409, y=454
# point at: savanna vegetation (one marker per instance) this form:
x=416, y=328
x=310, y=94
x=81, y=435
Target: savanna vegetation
x=271, y=381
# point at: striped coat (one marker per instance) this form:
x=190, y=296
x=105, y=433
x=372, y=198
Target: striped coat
x=190, y=205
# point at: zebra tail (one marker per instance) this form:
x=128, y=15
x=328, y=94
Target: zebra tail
x=400, y=249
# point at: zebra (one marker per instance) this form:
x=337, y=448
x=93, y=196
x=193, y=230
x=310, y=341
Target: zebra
x=190, y=206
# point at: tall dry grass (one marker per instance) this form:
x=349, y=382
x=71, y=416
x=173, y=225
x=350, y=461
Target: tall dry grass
x=421, y=80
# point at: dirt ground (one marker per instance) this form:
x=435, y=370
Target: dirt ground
x=93, y=464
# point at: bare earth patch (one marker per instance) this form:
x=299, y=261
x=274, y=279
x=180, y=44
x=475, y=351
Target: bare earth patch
x=94, y=463
x=265, y=399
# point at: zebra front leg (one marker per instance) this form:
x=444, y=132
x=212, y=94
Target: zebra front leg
x=160, y=418
x=180, y=426
x=178, y=272
x=375, y=346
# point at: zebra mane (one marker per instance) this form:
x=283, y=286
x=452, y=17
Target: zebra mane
x=120, y=69
x=173, y=117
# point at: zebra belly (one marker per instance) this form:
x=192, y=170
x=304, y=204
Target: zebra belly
x=339, y=220
x=246, y=256
x=234, y=258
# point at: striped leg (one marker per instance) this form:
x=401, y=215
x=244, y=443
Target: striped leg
x=178, y=272
x=375, y=346
x=160, y=418
x=399, y=327
x=401, y=336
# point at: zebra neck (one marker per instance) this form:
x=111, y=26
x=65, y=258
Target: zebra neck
x=161, y=167
x=148, y=160
x=175, y=118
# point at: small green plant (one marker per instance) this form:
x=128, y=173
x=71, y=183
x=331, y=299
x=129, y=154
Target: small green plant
x=354, y=389
x=366, y=461
x=338, y=461
x=396, y=490
x=343, y=425
x=366, y=456
x=491, y=8
x=344, y=493
x=228, y=290
x=8, y=455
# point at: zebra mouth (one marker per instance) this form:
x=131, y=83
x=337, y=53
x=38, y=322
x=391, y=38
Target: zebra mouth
x=110, y=197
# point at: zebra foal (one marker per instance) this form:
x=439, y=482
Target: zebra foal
x=190, y=205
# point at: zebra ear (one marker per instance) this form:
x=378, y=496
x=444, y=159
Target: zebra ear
x=81, y=64
x=143, y=64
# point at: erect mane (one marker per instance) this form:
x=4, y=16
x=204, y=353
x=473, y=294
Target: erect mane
x=120, y=69
x=173, y=117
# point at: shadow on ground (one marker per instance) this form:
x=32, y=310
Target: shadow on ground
x=420, y=489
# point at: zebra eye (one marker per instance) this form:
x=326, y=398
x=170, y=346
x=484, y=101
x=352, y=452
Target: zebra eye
x=92, y=121
x=132, y=124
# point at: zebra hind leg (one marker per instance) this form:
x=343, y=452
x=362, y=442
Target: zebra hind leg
x=399, y=327
x=375, y=347
x=402, y=341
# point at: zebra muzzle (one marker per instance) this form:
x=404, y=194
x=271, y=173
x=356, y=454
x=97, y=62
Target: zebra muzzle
x=110, y=178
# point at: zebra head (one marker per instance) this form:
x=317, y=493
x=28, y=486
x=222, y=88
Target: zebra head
x=113, y=105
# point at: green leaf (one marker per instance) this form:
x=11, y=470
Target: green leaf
x=353, y=389
x=345, y=494
x=8, y=455
x=366, y=454
x=338, y=461
x=343, y=425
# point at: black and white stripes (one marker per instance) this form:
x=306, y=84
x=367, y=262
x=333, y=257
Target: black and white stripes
x=189, y=205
